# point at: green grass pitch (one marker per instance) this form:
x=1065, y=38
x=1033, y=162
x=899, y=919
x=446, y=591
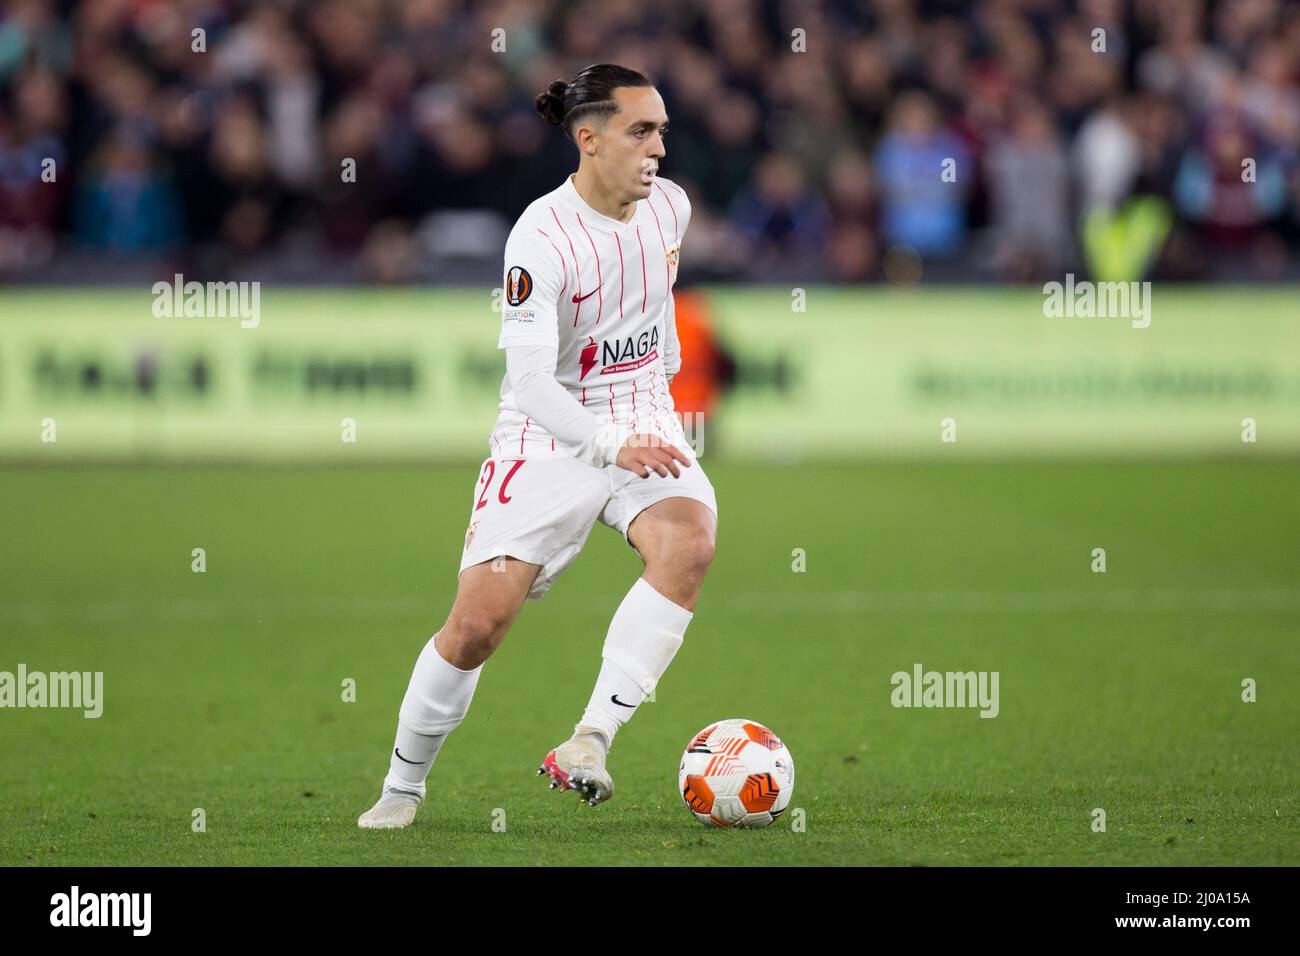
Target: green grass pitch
x=223, y=690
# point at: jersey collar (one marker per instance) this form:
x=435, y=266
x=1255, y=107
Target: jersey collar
x=583, y=206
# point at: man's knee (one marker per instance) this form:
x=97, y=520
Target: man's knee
x=688, y=548
x=698, y=548
x=488, y=598
x=477, y=631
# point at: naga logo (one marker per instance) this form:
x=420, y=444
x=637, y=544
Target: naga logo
x=588, y=358
x=620, y=355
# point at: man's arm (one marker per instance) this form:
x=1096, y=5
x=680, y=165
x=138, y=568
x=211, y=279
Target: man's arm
x=539, y=396
x=672, y=347
x=534, y=275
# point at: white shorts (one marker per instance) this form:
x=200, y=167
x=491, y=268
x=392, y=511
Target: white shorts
x=540, y=510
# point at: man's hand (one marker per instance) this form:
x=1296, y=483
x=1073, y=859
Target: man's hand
x=642, y=454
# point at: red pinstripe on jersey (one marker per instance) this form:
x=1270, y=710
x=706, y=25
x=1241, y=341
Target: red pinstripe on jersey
x=670, y=206
x=577, y=266
x=600, y=279
x=644, y=287
x=620, y=274
x=563, y=262
x=673, y=184
x=680, y=190
x=667, y=273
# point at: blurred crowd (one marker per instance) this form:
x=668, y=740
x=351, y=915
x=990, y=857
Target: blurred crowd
x=876, y=140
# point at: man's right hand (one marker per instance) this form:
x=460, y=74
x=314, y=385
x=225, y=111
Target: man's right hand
x=642, y=454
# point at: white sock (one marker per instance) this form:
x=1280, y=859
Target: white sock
x=436, y=701
x=412, y=759
x=643, y=638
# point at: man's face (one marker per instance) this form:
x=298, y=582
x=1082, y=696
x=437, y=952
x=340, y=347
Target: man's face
x=629, y=147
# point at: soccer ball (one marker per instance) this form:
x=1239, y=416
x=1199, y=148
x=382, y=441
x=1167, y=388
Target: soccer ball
x=736, y=773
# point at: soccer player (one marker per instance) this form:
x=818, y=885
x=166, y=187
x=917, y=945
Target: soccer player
x=586, y=432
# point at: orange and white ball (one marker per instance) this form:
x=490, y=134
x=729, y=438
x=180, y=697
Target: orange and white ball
x=736, y=773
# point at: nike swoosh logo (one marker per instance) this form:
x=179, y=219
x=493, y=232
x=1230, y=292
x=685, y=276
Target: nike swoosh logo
x=404, y=760
x=614, y=698
x=579, y=298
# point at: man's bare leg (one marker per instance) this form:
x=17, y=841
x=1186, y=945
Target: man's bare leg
x=488, y=599
x=676, y=538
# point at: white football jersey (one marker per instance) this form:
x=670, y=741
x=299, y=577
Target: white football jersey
x=600, y=292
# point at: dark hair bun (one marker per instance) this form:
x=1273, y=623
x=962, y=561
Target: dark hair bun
x=551, y=103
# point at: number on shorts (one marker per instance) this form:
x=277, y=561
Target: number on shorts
x=489, y=471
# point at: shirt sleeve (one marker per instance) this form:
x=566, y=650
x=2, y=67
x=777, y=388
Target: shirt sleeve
x=539, y=396
x=672, y=347
x=533, y=278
